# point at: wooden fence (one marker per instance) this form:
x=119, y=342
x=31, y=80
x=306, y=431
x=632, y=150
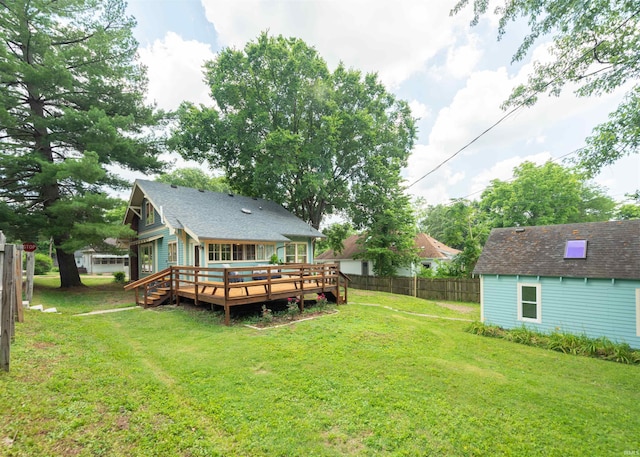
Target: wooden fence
x=449, y=289
x=10, y=296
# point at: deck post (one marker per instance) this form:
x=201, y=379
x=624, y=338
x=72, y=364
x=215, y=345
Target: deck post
x=195, y=277
x=227, y=314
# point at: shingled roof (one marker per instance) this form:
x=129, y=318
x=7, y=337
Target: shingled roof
x=613, y=251
x=430, y=248
x=219, y=216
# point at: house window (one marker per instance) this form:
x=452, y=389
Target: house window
x=146, y=258
x=172, y=252
x=219, y=252
x=226, y=252
x=149, y=213
x=529, y=302
x=296, y=253
x=238, y=250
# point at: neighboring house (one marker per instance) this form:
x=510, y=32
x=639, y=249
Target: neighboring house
x=431, y=252
x=575, y=278
x=91, y=261
x=191, y=227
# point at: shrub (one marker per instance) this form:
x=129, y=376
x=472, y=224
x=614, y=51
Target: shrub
x=568, y=343
x=118, y=276
x=292, y=306
x=43, y=264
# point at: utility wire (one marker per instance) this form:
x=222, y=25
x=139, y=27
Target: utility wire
x=520, y=105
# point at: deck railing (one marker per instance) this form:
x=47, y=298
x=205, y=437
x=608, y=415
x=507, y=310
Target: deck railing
x=241, y=285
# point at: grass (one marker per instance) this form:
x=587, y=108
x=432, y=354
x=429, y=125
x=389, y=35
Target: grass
x=366, y=381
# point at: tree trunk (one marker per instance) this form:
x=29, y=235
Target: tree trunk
x=69, y=276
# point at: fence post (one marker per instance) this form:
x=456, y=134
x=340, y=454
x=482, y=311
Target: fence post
x=7, y=305
x=31, y=266
x=18, y=311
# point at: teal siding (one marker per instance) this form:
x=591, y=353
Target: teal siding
x=595, y=307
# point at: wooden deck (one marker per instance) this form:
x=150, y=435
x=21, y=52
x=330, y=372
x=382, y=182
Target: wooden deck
x=229, y=287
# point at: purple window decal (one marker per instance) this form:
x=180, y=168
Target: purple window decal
x=576, y=249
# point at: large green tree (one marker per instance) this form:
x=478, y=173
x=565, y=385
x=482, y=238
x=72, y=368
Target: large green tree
x=287, y=129
x=544, y=195
x=71, y=104
x=595, y=47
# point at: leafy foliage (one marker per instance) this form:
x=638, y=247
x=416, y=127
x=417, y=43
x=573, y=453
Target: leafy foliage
x=595, y=46
x=544, y=195
x=71, y=104
x=195, y=178
x=335, y=236
x=287, y=129
x=43, y=264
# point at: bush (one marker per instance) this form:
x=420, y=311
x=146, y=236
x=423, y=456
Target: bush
x=43, y=264
x=118, y=276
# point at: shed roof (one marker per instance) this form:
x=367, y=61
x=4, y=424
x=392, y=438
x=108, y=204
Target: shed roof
x=219, y=216
x=430, y=248
x=613, y=251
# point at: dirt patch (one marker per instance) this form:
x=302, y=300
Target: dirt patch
x=460, y=308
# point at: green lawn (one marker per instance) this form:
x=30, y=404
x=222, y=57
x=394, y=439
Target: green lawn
x=366, y=381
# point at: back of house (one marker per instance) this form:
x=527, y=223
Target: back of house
x=181, y=226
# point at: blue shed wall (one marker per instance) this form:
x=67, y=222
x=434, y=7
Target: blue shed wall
x=595, y=307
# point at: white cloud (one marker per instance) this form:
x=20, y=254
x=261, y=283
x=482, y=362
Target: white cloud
x=419, y=110
x=463, y=59
x=395, y=39
x=174, y=68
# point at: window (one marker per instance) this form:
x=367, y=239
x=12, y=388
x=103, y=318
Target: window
x=238, y=252
x=172, y=252
x=576, y=249
x=149, y=213
x=529, y=302
x=295, y=253
x=146, y=258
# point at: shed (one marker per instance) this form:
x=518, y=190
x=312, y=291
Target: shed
x=576, y=278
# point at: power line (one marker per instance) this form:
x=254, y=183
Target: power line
x=521, y=104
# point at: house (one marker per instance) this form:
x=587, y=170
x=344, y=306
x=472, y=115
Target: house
x=431, y=252
x=180, y=226
x=574, y=278
x=94, y=261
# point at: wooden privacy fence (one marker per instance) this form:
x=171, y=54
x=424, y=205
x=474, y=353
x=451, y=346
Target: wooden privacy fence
x=450, y=289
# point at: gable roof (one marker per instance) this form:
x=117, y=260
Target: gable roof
x=430, y=248
x=219, y=216
x=613, y=251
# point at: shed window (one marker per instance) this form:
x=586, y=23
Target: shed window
x=529, y=303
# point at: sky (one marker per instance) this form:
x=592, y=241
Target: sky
x=454, y=77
